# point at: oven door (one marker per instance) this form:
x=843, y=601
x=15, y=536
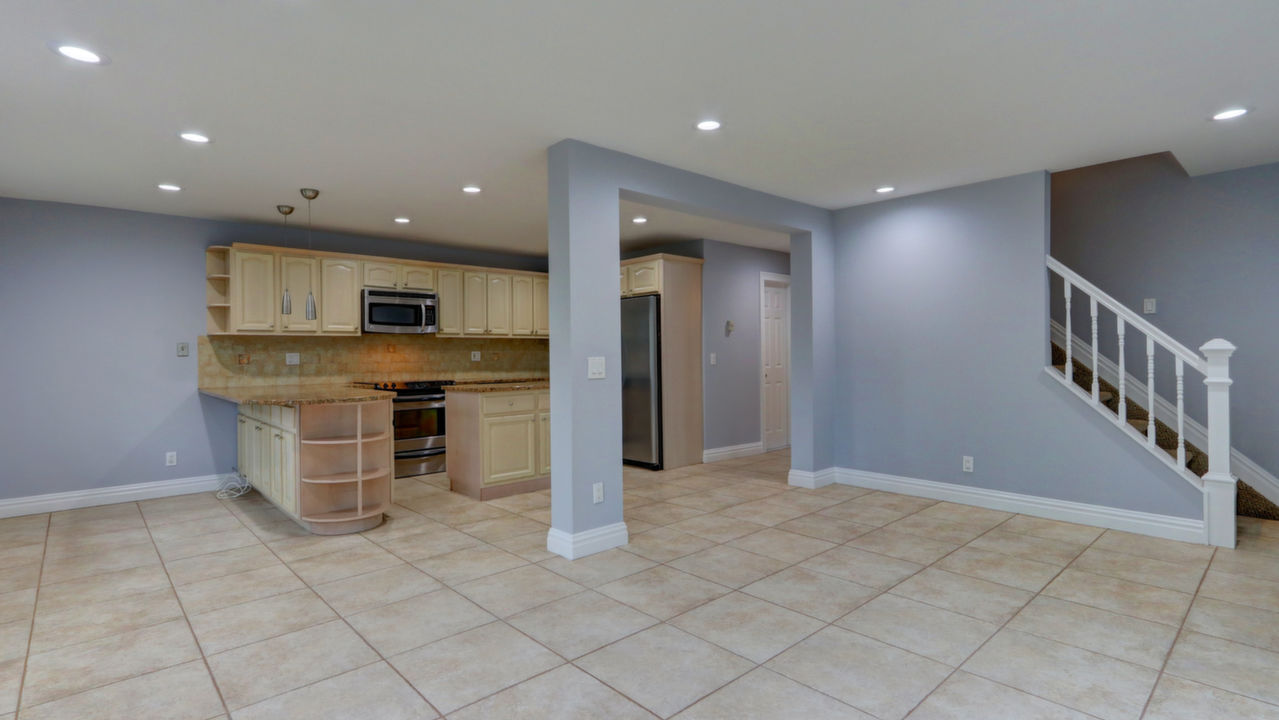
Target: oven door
x=387, y=311
x=419, y=436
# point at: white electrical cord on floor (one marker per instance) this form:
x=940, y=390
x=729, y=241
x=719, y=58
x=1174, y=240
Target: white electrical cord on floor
x=234, y=487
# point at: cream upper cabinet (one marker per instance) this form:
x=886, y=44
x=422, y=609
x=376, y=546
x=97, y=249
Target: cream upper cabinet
x=509, y=447
x=298, y=277
x=475, y=303
x=380, y=274
x=522, y=305
x=417, y=277
x=643, y=278
x=499, y=303
x=541, y=306
x=448, y=300
x=339, y=296
x=254, y=301
x=622, y=278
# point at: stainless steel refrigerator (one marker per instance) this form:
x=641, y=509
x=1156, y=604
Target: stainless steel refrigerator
x=642, y=381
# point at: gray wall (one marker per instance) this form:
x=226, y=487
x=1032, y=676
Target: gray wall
x=942, y=327
x=94, y=301
x=1207, y=248
x=730, y=291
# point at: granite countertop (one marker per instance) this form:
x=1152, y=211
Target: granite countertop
x=316, y=394
x=491, y=386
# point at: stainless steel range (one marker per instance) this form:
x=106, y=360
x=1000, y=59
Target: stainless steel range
x=419, y=422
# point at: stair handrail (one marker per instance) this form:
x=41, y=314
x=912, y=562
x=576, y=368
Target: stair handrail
x=1191, y=357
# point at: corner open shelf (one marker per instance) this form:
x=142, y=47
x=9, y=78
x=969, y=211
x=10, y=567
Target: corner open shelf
x=345, y=459
x=217, y=289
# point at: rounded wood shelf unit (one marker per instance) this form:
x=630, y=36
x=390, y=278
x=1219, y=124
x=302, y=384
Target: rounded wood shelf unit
x=338, y=478
x=346, y=515
x=347, y=439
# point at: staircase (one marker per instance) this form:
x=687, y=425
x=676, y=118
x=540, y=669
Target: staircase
x=1209, y=472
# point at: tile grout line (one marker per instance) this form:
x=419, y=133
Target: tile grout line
x=35, y=605
x=1177, y=638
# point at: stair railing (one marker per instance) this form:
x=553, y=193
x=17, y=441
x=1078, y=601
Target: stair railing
x=1218, y=484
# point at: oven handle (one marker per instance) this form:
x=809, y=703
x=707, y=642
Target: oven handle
x=416, y=454
x=427, y=405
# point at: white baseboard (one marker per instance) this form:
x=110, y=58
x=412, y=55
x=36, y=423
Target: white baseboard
x=1163, y=526
x=1241, y=466
x=812, y=480
x=587, y=542
x=729, y=452
x=52, y=502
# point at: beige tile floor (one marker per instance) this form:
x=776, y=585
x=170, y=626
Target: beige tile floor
x=738, y=597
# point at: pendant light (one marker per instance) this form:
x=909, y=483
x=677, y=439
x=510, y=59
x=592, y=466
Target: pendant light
x=310, y=194
x=286, y=304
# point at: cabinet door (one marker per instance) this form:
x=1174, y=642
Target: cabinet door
x=521, y=304
x=541, y=306
x=339, y=296
x=262, y=463
x=543, y=444
x=299, y=276
x=499, y=303
x=242, y=446
x=510, y=448
x=448, y=298
x=288, y=464
x=475, y=303
x=417, y=277
x=383, y=275
x=254, y=301
x=644, y=277
x=622, y=277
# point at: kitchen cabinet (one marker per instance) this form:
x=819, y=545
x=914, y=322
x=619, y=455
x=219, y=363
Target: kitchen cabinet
x=339, y=301
x=521, y=305
x=498, y=297
x=298, y=277
x=499, y=442
x=541, y=307
x=641, y=278
x=399, y=276
x=381, y=275
x=448, y=299
x=475, y=303
x=254, y=301
x=417, y=277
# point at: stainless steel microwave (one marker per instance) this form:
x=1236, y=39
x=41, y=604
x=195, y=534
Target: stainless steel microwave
x=399, y=311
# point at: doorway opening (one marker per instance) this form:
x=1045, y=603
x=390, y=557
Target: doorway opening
x=774, y=334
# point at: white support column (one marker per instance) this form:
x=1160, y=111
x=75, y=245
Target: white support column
x=1219, y=483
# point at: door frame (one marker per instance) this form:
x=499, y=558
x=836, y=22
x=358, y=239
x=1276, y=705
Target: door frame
x=766, y=279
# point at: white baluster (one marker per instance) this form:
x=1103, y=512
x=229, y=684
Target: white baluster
x=1123, y=405
x=1181, y=414
x=1068, y=369
x=1096, y=383
x=1219, y=483
x=1150, y=391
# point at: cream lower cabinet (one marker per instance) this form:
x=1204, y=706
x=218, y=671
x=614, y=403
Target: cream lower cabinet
x=499, y=442
x=267, y=457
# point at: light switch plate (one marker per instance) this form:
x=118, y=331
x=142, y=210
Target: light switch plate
x=171, y=458
x=1148, y=306
x=968, y=463
x=594, y=368
x=714, y=360
x=475, y=356
x=292, y=359
x=184, y=349
x=597, y=492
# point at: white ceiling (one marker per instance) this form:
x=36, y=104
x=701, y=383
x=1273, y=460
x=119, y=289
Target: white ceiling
x=390, y=107
x=665, y=225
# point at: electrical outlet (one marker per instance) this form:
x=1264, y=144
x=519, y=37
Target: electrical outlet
x=292, y=358
x=242, y=358
x=184, y=349
x=390, y=348
x=475, y=356
x=171, y=458
x=968, y=463
x=1148, y=306
x=595, y=368
x=598, y=490
x=714, y=360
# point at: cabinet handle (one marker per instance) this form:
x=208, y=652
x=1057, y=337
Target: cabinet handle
x=278, y=435
x=257, y=427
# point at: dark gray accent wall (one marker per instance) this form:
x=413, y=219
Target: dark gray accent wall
x=94, y=302
x=941, y=327
x=1207, y=249
x=731, y=388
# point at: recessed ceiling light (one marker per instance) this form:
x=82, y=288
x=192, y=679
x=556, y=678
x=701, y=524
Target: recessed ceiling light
x=885, y=189
x=472, y=189
x=170, y=187
x=1230, y=114
x=80, y=54
x=194, y=137
x=708, y=125
x=639, y=219
x=401, y=220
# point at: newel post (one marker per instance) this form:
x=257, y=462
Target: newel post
x=1219, y=484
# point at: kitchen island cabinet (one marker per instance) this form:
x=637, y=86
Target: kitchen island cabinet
x=499, y=439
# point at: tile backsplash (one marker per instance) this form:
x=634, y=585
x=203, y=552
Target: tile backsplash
x=367, y=358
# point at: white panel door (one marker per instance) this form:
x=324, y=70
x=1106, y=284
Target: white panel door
x=776, y=358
